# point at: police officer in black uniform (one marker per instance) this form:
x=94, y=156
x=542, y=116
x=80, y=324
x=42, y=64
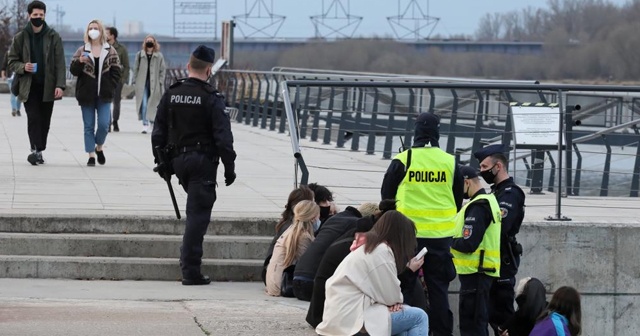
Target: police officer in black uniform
x=192, y=122
x=493, y=169
x=476, y=251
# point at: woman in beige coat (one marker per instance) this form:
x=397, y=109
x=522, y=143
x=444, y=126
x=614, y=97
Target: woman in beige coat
x=148, y=76
x=363, y=295
x=292, y=244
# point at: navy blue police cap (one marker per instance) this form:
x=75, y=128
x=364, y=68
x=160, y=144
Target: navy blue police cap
x=428, y=119
x=468, y=172
x=204, y=54
x=488, y=151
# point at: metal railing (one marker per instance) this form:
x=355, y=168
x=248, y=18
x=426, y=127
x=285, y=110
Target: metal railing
x=371, y=112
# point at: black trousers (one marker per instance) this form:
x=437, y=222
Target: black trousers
x=303, y=289
x=438, y=272
x=501, y=299
x=117, y=98
x=38, y=117
x=474, y=304
x=197, y=175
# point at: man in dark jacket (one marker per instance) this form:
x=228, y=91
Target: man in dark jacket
x=329, y=232
x=123, y=54
x=37, y=57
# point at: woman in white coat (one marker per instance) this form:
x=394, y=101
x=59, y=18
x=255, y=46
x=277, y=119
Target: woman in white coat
x=363, y=295
x=148, y=75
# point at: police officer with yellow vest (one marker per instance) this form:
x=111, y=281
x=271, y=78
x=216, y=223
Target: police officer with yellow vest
x=192, y=122
x=493, y=169
x=476, y=253
x=428, y=188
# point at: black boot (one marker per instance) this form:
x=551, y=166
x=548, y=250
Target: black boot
x=201, y=280
x=115, y=127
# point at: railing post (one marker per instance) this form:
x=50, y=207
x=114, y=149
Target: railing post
x=371, y=142
x=388, y=142
x=576, y=181
x=569, y=136
x=355, y=140
x=558, y=216
x=604, y=187
x=408, y=135
x=329, y=122
x=451, y=137
x=316, y=116
x=265, y=105
x=477, y=134
x=343, y=119
x=274, y=106
x=305, y=114
x=250, y=106
x=635, y=180
x=256, y=104
x=552, y=174
x=241, y=103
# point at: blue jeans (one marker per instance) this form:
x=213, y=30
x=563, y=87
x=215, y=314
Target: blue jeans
x=410, y=321
x=15, y=103
x=144, y=106
x=95, y=136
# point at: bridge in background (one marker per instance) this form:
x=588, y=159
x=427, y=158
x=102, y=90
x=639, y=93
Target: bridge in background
x=177, y=51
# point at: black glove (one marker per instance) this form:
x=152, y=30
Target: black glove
x=161, y=170
x=229, y=178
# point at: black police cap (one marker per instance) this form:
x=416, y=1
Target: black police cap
x=468, y=172
x=204, y=54
x=429, y=119
x=488, y=151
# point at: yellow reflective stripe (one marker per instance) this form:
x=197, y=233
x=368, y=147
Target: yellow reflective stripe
x=473, y=264
x=437, y=213
x=435, y=226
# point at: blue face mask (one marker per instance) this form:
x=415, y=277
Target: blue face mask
x=316, y=225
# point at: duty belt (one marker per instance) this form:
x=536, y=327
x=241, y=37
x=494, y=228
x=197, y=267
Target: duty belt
x=195, y=148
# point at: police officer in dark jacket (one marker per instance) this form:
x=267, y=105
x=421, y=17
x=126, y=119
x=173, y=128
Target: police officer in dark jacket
x=476, y=253
x=493, y=169
x=428, y=187
x=191, y=120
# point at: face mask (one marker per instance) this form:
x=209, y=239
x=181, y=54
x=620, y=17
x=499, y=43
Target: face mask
x=37, y=22
x=466, y=194
x=488, y=175
x=94, y=34
x=316, y=224
x=149, y=44
x=324, y=212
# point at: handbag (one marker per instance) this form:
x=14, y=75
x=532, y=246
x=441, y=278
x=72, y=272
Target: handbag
x=15, y=85
x=286, y=287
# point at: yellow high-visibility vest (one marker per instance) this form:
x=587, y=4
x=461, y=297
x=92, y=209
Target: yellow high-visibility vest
x=425, y=194
x=468, y=263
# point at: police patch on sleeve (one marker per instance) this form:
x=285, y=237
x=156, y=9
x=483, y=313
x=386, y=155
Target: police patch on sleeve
x=504, y=212
x=467, y=231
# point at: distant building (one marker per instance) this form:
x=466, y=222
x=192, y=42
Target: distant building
x=133, y=28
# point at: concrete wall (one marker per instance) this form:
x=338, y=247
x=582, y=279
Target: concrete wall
x=600, y=260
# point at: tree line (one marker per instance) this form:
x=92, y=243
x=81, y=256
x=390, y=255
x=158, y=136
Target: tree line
x=592, y=40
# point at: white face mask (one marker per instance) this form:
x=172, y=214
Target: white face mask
x=316, y=224
x=94, y=34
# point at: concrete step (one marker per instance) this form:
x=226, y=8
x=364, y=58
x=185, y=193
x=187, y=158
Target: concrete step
x=106, y=268
x=129, y=245
x=132, y=224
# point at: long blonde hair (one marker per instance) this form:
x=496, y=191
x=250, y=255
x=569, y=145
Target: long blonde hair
x=303, y=215
x=103, y=35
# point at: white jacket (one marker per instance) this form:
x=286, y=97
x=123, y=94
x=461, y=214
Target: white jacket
x=359, y=293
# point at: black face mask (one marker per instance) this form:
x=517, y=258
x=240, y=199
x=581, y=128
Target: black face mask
x=466, y=194
x=324, y=213
x=488, y=175
x=149, y=44
x=37, y=22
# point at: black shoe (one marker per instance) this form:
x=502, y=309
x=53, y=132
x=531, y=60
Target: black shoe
x=91, y=162
x=18, y=113
x=14, y=113
x=115, y=127
x=202, y=280
x=101, y=159
x=33, y=159
x=40, y=158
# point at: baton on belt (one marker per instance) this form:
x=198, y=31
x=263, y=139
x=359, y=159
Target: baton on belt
x=162, y=160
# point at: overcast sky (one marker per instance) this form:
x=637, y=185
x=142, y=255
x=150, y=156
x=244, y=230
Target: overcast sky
x=456, y=16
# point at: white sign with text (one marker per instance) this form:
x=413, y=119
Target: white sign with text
x=536, y=125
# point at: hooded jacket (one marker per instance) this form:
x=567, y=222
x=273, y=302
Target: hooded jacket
x=53, y=67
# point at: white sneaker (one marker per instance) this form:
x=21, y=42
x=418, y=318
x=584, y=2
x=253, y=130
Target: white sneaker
x=145, y=129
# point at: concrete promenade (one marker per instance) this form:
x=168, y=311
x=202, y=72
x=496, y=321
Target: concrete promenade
x=559, y=253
